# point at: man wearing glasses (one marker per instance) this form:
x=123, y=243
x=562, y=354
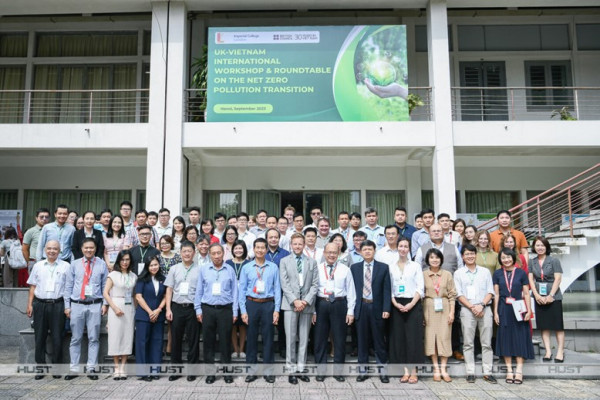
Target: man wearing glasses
x=125, y=209
x=142, y=252
x=32, y=236
x=315, y=214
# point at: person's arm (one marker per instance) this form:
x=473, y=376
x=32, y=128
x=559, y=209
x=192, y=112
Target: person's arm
x=496, y=301
x=30, y=301
x=242, y=294
x=451, y=299
x=25, y=249
x=288, y=295
x=111, y=303
x=277, y=287
x=70, y=281
x=199, y=294
x=527, y=302
x=168, y=298
x=351, y=297
x=41, y=244
x=387, y=293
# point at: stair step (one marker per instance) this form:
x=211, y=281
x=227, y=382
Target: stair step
x=568, y=241
x=588, y=223
x=563, y=250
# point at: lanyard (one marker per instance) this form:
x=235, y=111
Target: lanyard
x=314, y=255
x=127, y=281
x=52, y=269
x=327, y=277
x=259, y=275
x=187, y=271
x=472, y=275
x=436, y=285
x=541, y=262
x=272, y=256
x=238, y=268
x=509, y=286
x=143, y=254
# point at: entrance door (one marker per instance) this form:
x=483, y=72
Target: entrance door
x=293, y=199
x=483, y=104
x=312, y=199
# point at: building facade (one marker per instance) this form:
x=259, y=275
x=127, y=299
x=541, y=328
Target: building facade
x=97, y=105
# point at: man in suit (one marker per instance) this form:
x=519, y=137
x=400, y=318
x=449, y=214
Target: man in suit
x=373, y=305
x=299, y=282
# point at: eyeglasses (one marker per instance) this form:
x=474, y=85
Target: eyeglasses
x=44, y=217
x=315, y=213
x=164, y=215
x=145, y=234
x=125, y=209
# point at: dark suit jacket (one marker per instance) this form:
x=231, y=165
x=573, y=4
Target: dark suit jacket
x=146, y=289
x=380, y=287
x=77, y=241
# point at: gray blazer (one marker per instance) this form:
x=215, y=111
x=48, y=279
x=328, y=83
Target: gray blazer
x=290, y=284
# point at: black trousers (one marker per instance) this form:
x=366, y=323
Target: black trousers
x=184, y=321
x=331, y=317
x=217, y=320
x=48, y=316
x=456, y=328
x=369, y=326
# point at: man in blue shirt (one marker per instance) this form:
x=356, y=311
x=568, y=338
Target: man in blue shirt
x=84, y=305
x=275, y=254
x=405, y=229
x=260, y=300
x=374, y=232
x=60, y=231
x=216, y=305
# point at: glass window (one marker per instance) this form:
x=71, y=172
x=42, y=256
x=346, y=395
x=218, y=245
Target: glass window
x=8, y=199
x=86, y=44
x=551, y=77
x=12, y=104
x=13, y=45
x=147, y=43
x=385, y=202
x=513, y=37
x=421, y=43
x=490, y=201
x=587, y=36
x=217, y=201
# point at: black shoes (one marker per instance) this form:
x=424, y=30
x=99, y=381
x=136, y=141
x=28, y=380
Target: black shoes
x=174, y=377
x=269, y=378
x=70, y=377
x=293, y=380
x=361, y=378
x=38, y=377
x=304, y=378
x=471, y=378
x=339, y=378
x=210, y=379
x=191, y=378
x=320, y=378
x=251, y=378
x=228, y=379
x=490, y=379
x=56, y=376
x=384, y=379
x=93, y=377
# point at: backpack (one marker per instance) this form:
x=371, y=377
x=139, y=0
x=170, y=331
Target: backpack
x=15, y=255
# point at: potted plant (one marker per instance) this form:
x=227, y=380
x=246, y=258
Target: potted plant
x=197, y=98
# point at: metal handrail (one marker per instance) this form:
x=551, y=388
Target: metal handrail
x=574, y=193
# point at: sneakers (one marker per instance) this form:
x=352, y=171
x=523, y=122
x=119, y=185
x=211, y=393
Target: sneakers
x=242, y=355
x=234, y=355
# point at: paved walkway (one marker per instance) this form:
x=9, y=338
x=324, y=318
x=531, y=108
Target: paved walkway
x=83, y=388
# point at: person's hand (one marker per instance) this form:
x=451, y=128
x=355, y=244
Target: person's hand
x=408, y=307
x=245, y=318
x=450, y=319
x=117, y=311
x=68, y=312
x=527, y=316
x=105, y=309
x=496, y=318
x=234, y=319
x=314, y=319
x=29, y=311
x=298, y=305
x=477, y=309
x=385, y=315
x=391, y=90
x=549, y=300
x=199, y=318
x=169, y=315
x=349, y=319
x=275, y=317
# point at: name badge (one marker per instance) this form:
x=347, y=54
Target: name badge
x=112, y=257
x=301, y=279
x=330, y=287
x=216, y=289
x=438, y=305
x=140, y=268
x=51, y=283
x=128, y=297
x=471, y=292
x=88, y=290
x=543, y=289
x=510, y=300
x=260, y=286
x=184, y=288
x=400, y=289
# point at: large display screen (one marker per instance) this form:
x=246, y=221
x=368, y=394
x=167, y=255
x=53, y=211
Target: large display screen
x=307, y=73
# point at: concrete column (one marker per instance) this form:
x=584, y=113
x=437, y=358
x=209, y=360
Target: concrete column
x=413, y=189
x=168, y=66
x=439, y=78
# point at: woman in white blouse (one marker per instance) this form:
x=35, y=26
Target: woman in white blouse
x=406, y=338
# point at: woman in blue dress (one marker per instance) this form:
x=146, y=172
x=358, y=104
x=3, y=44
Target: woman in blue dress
x=513, y=339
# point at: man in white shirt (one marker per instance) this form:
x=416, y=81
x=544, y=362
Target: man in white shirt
x=163, y=227
x=334, y=310
x=344, y=227
x=389, y=253
x=46, y=305
x=450, y=236
x=311, y=250
x=220, y=220
x=372, y=229
x=244, y=234
x=474, y=291
x=194, y=216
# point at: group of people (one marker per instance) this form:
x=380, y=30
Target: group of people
x=406, y=292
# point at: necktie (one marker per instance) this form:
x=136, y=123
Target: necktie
x=86, y=278
x=331, y=295
x=367, y=284
x=299, y=264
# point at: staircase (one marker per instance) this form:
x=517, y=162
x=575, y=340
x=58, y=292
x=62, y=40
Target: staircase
x=568, y=215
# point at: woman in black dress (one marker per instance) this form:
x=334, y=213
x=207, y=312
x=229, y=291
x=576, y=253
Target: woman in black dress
x=511, y=285
x=545, y=273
